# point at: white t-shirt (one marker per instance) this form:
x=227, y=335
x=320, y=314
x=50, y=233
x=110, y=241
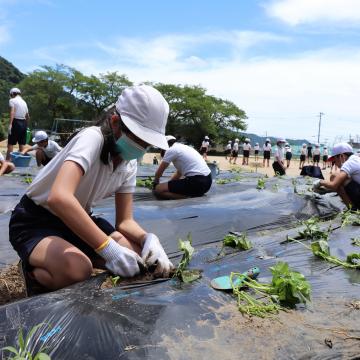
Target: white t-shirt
x=2, y=157
x=316, y=151
x=51, y=150
x=205, y=144
x=288, y=149
x=279, y=154
x=228, y=147
x=247, y=146
x=99, y=180
x=325, y=152
x=256, y=147
x=236, y=146
x=352, y=168
x=303, y=151
x=267, y=147
x=186, y=160
x=20, y=107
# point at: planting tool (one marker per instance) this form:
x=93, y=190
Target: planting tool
x=224, y=283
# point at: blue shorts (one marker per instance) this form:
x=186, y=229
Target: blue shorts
x=30, y=223
x=196, y=185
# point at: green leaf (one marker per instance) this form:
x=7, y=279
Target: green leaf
x=188, y=276
x=353, y=259
x=42, y=356
x=11, y=349
x=237, y=241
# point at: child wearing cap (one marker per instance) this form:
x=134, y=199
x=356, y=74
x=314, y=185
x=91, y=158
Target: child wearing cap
x=53, y=229
x=45, y=149
x=267, y=152
x=6, y=166
x=347, y=181
x=256, y=151
x=303, y=153
x=192, y=177
x=204, y=148
x=288, y=154
x=234, y=152
x=246, y=151
x=278, y=164
x=227, y=149
x=316, y=158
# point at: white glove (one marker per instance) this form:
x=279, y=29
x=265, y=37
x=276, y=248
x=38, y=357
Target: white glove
x=153, y=252
x=9, y=130
x=316, y=184
x=121, y=260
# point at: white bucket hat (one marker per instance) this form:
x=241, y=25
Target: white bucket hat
x=170, y=137
x=247, y=140
x=340, y=148
x=206, y=137
x=39, y=136
x=281, y=140
x=15, y=91
x=144, y=111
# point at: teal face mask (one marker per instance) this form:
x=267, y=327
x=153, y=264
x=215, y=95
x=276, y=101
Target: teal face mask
x=128, y=148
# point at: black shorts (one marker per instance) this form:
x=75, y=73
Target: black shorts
x=288, y=155
x=18, y=132
x=302, y=157
x=325, y=158
x=246, y=153
x=309, y=154
x=196, y=185
x=266, y=154
x=227, y=152
x=316, y=158
x=30, y=223
x=352, y=190
x=279, y=170
x=203, y=150
x=256, y=152
x=235, y=153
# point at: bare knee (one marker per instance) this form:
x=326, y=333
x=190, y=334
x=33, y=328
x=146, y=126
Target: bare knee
x=76, y=268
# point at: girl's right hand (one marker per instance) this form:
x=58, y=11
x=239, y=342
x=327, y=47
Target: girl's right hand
x=121, y=260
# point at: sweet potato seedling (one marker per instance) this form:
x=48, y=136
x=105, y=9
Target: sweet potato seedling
x=24, y=349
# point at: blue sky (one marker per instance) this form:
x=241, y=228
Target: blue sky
x=282, y=61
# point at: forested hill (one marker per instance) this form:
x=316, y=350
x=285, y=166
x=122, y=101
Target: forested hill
x=10, y=76
x=261, y=139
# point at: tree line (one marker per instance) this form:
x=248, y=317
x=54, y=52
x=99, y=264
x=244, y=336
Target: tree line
x=64, y=92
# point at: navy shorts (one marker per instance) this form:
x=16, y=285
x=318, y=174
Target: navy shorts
x=278, y=169
x=18, y=132
x=352, y=190
x=316, y=158
x=246, y=153
x=325, y=158
x=196, y=185
x=234, y=153
x=288, y=155
x=302, y=157
x=266, y=154
x=30, y=223
x=256, y=152
x=203, y=150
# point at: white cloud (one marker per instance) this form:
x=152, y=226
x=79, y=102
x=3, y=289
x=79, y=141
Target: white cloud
x=295, y=12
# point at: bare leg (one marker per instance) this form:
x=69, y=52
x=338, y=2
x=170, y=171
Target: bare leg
x=21, y=147
x=10, y=148
x=40, y=157
x=6, y=167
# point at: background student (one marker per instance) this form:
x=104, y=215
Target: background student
x=246, y=151
x=192, y=176
x=278, y=164
x=267, y=152
x=316, y=158
x=204, y=148
x=288, y=154
x=45, y=149
x=234, y=152
x=303, y=153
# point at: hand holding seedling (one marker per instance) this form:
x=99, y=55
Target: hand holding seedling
x=153, y=253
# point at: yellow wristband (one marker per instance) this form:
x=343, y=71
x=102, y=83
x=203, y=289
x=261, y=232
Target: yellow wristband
x=104, y=244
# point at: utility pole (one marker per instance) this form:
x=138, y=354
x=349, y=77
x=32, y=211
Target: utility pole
x=320, y=115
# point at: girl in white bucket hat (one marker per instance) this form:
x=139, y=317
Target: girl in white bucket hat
x=52, y=229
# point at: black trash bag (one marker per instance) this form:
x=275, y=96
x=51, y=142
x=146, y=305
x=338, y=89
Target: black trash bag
x=312, y=171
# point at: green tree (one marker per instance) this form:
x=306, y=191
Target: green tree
x=194, y=114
